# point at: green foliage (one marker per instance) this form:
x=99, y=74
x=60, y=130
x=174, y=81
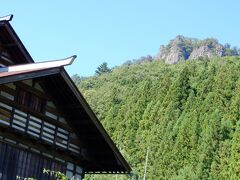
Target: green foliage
x=187, y=113
x=58, y=175
x=102, y=68
x=55, y=174
x=24, y=178
x=231, y=51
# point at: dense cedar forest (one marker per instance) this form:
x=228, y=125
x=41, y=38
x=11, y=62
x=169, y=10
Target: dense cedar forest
x=188, y=114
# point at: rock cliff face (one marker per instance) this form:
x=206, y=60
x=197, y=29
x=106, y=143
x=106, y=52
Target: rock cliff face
x=207, y=48
x=182, y=49
x=174, y=51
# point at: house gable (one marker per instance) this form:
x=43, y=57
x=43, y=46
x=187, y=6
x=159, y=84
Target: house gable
x=12, y=50
x=42, y=111
x=98, y=153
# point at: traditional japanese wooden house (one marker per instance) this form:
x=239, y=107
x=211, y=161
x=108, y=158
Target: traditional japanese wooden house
x=44, y=120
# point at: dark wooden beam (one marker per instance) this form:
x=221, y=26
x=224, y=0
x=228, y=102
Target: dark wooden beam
x=72, y=106
x=10, y=45
x=28, y=75
x=33, y=90
x=8, y=89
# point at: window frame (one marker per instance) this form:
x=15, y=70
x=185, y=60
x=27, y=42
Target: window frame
x=30, y=100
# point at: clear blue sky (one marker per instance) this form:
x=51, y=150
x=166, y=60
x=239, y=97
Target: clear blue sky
x=116, y=31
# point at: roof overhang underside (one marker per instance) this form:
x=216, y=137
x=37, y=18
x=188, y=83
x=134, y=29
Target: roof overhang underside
x=11, y=42
x=103, y=155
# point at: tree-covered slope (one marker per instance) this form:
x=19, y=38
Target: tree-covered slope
x=188, y=114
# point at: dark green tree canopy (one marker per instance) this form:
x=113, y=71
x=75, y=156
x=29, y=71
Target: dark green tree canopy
x=102, y=68
x=186, y=113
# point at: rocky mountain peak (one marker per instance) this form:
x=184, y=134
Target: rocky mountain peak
x=182, y=48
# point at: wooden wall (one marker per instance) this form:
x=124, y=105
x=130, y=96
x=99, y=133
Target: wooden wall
x=29, y=116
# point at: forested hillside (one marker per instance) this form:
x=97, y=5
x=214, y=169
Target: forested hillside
x=188, y=114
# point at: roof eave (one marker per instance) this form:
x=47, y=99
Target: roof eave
x=28, y=75
x=6, y=18
x=40, y=65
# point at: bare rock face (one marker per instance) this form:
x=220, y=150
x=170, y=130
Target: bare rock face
x=163, y=52
x=182, y=48
x=174, y=51
x=202, y=51
x=171, y=56
x=175, y=54
x=219, y=50
x=210, y=48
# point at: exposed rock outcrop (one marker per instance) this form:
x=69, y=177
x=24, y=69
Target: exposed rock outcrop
x=182, y=48
x=207, y=48
x=175, y=50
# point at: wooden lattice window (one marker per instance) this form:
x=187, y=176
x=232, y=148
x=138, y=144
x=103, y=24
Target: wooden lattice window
x=23, y=97
x=36, y=103
x=31, y=100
